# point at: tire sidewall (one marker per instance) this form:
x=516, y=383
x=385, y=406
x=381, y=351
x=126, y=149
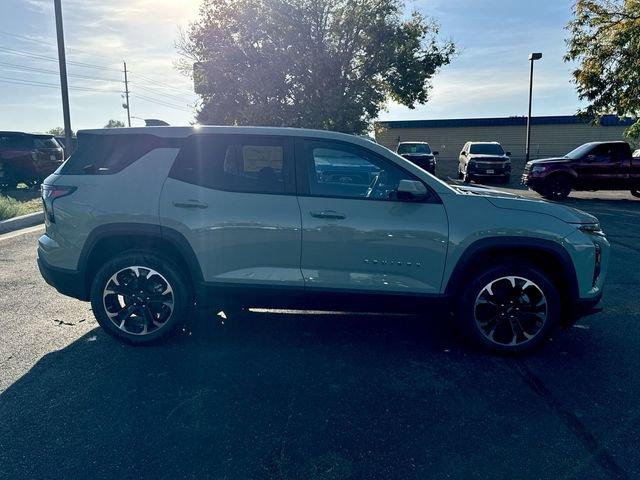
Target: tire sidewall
x=163, y=266
x=466, y=307
x=564, y=180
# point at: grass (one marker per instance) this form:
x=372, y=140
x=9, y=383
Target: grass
x=10, y=207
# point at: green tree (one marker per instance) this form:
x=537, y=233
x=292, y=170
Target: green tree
x=329, y=64
x=59, y=132
x=114, y=124
x=605, y=41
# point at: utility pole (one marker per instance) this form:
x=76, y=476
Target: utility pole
x=126, y=92
x=532, y=58
x=64, y=86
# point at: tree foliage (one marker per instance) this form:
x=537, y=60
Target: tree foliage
x=114, y=124
x=328, y=64
x=605, y=40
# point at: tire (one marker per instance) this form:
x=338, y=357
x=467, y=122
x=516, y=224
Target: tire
x=635, y=193
x=151, y=313
x=460, y=174
x=466, y=178
x=507, y=313
x=557, y=187
x=504, y=180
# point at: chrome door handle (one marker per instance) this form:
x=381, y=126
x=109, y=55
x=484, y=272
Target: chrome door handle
x=332, y=214
x=190, y=204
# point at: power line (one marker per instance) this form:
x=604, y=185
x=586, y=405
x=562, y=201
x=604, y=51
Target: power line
x=22, y=53
x=27, y=39
x=35, y=83
x=53, y=72
x=158, y=82
x=159, y=92
x=160, y=102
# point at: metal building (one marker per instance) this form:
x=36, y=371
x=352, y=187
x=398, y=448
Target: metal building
x=550, y=136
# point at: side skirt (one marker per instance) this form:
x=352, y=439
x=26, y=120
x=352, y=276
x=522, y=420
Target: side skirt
x=219, y=295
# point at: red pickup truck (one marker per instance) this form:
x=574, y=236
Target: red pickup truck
x=592, y=166
x=27, y=158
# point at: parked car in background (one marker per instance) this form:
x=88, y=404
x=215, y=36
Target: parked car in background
x=419, y=153
x=484, y=161
x=592, y=166
x=27, y=158
x=145, y=222
x=63, y=143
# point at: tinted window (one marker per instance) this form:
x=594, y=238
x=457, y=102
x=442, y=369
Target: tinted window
x=486, y=149
x=342, y=170
x=45, y=142
x=15, y=141
x=602, y=152
x=415, y=148
x=580, y=152
x=108, y=154
x=238, y=163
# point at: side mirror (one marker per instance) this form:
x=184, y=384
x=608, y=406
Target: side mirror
x=463, y=153
x=508, y=154
x=590, y=158
x=436, y=152
x=411, y=190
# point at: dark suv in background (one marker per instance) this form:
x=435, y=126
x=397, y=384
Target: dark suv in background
x=420, y=154
x=484, y=161
x=27, y=158
x=592, y=166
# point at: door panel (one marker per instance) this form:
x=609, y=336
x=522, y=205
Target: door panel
x=377, y=245
x=602, y=168
x=356, y=234
x=247, y=236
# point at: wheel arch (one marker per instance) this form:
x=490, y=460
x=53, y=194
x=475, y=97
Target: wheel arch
x=548, y=255
x=108, y=240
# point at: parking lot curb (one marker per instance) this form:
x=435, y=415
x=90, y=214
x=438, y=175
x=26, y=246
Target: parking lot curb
x=20, y=222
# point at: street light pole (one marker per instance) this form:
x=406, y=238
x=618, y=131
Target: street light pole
x=64, y=86
x=532, y=58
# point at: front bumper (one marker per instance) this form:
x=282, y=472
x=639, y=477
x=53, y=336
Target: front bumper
x=67, y=282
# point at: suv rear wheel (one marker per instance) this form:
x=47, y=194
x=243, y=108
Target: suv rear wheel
x=557, y=187
x=509, y=309
x=139, y=298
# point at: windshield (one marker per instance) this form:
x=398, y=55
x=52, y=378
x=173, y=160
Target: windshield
x=415, y=148
x=486, y=149
x=579, y=152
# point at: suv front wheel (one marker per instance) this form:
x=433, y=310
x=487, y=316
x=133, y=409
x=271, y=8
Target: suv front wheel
x=509, y=309
x=139, y=298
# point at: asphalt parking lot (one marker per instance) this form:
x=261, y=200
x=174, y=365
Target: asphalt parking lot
x=317, y=396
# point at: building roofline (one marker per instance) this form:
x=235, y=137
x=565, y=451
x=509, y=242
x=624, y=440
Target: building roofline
x=605, y=121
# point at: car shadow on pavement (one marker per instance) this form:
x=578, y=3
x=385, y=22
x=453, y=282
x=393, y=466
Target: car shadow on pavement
x=278, y=396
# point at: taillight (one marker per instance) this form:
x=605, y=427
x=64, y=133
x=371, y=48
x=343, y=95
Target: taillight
x=51, y=193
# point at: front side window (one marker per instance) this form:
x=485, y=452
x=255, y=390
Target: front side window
x=341, y=170
x=238, y=163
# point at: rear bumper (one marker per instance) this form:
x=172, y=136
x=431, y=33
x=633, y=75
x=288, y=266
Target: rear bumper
x=67, y=282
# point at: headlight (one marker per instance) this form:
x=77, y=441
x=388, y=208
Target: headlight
x=538, y=169
x=592, y=229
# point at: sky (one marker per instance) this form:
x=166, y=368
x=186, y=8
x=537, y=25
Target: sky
x=487, y=78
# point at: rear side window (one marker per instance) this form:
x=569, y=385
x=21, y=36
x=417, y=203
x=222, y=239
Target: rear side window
x=237, y=163
x=109, y=154
x=16, y=141
x=45, y=142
